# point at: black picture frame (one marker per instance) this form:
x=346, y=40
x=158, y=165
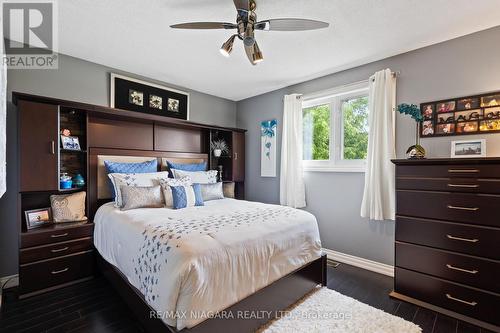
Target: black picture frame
x=136, y=95
x=473, y=114
x=35, y=218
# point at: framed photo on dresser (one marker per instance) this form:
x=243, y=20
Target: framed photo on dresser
x=135, y=95
x=468, y=148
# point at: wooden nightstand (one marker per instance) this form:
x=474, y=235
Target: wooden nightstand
x=55, y=256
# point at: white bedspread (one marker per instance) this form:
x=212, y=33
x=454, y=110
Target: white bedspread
x=197, y=260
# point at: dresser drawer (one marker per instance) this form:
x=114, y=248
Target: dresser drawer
x=466, y=185
x=472, y=271
x=467, y=301
x=52, y=272
x=37, y=253
x=449, y=171
x=457, y=207
x=57, y=234
x=468, y=239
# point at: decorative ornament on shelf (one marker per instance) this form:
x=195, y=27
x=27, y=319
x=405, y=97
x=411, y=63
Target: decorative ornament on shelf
x=415, y=151
x=78, y=181
x=218, y=147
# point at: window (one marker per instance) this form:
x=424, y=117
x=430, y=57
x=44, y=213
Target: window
x=335, y=129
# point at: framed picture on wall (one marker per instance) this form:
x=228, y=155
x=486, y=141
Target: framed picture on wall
x=468, y=148
x=135, y=95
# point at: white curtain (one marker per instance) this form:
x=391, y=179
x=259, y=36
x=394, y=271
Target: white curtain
x=3, y=119
x=379, y=194
x=292, y=189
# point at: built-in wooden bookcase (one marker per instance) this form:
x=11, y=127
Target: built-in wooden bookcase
x=224, y=162
x=73, y=162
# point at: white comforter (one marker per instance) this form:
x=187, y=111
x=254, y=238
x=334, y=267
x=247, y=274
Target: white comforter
x=193, y=261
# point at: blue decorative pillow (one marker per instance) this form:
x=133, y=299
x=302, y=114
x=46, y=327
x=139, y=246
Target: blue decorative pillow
x=186, y=196
x=188, y=166
x=121, y=167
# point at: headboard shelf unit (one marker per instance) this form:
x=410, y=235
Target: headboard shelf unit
x=222, y=163
x=73, y=162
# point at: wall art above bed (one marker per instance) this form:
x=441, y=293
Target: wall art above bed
x=135, y=95
x=479, y=114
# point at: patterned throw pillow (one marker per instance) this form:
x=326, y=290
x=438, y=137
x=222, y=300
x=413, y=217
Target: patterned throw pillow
x=187, y=196
x=167, y=191
x=212, y=191
x=141, y=197
x=68, y=207
x=134, y=179
x=122, y=167
x=197, y=177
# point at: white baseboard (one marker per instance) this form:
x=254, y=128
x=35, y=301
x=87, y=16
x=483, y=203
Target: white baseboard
x=13, y=281
x=370, y=265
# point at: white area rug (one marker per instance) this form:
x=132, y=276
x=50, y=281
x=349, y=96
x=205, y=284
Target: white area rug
x=325, y=310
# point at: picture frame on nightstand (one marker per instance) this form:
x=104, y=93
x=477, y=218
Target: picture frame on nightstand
x=37, y=218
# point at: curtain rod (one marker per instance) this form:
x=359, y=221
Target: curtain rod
x=394, y=74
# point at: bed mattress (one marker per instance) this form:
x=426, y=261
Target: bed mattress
x=190, y=263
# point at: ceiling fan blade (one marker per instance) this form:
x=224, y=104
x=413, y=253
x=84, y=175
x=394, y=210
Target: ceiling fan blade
x=204, y=25
x=250, y=54
x=290, y=24
x=242, y=4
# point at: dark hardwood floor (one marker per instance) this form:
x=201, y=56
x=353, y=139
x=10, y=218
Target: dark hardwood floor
x=94, y=306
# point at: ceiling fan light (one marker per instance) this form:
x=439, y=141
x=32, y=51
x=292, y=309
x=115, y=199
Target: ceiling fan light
x=257, y=54
x=227, y=47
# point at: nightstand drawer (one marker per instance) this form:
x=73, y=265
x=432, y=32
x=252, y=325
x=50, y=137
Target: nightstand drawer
x=55, y=234
x=53, y=272
x=37, y=253
x=475, y=240
x=467, y=301
x=472, y=271
x=456, y=207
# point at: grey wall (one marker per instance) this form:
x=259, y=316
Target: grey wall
x=82, y=81
x=454, y=68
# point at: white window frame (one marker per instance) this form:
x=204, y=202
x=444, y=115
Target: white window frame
x=334, y=97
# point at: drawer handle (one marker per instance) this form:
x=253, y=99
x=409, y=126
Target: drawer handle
x=59, y=250
x=464, y=185
x=461, y=269
x=60, y=271
x=463, y=170
x=60, y=235
x=471, y=209
x=460, y=300
x=474, y=240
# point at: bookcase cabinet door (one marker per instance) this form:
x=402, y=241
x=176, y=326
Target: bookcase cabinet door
x=38, y=146
x=238, y=156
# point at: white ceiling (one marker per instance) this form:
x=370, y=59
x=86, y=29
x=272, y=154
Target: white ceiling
x=134, y=35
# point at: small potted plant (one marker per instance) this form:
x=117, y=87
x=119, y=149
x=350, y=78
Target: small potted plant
x=219, y=147
x=415, y=151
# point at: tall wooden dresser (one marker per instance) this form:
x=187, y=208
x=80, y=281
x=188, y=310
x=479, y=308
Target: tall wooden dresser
x=447, y=249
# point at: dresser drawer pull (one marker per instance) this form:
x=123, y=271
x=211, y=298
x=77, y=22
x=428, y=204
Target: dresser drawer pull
x=464, y=185
x=460, y=300
x=60, y=235
x=471, y=209
x=461, y=269
x=463, y=170
x=59, y=250
x=474, y=240
x=60, y=271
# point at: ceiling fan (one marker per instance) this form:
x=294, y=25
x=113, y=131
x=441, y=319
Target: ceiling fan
x=246, y=24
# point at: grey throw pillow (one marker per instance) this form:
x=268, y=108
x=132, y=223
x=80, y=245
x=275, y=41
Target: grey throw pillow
x=141, y=197
x=212, y=191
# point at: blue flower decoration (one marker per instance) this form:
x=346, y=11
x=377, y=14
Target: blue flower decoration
x=268, y=128
x=412, y=110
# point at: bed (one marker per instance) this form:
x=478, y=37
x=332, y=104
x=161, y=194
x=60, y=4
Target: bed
x=178, y=268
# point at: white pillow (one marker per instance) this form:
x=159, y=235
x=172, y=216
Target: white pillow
x=167, y=191
x=134, y=179
x=197, y=177
x=212, y=191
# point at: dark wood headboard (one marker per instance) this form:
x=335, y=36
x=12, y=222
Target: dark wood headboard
x=93, y=199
